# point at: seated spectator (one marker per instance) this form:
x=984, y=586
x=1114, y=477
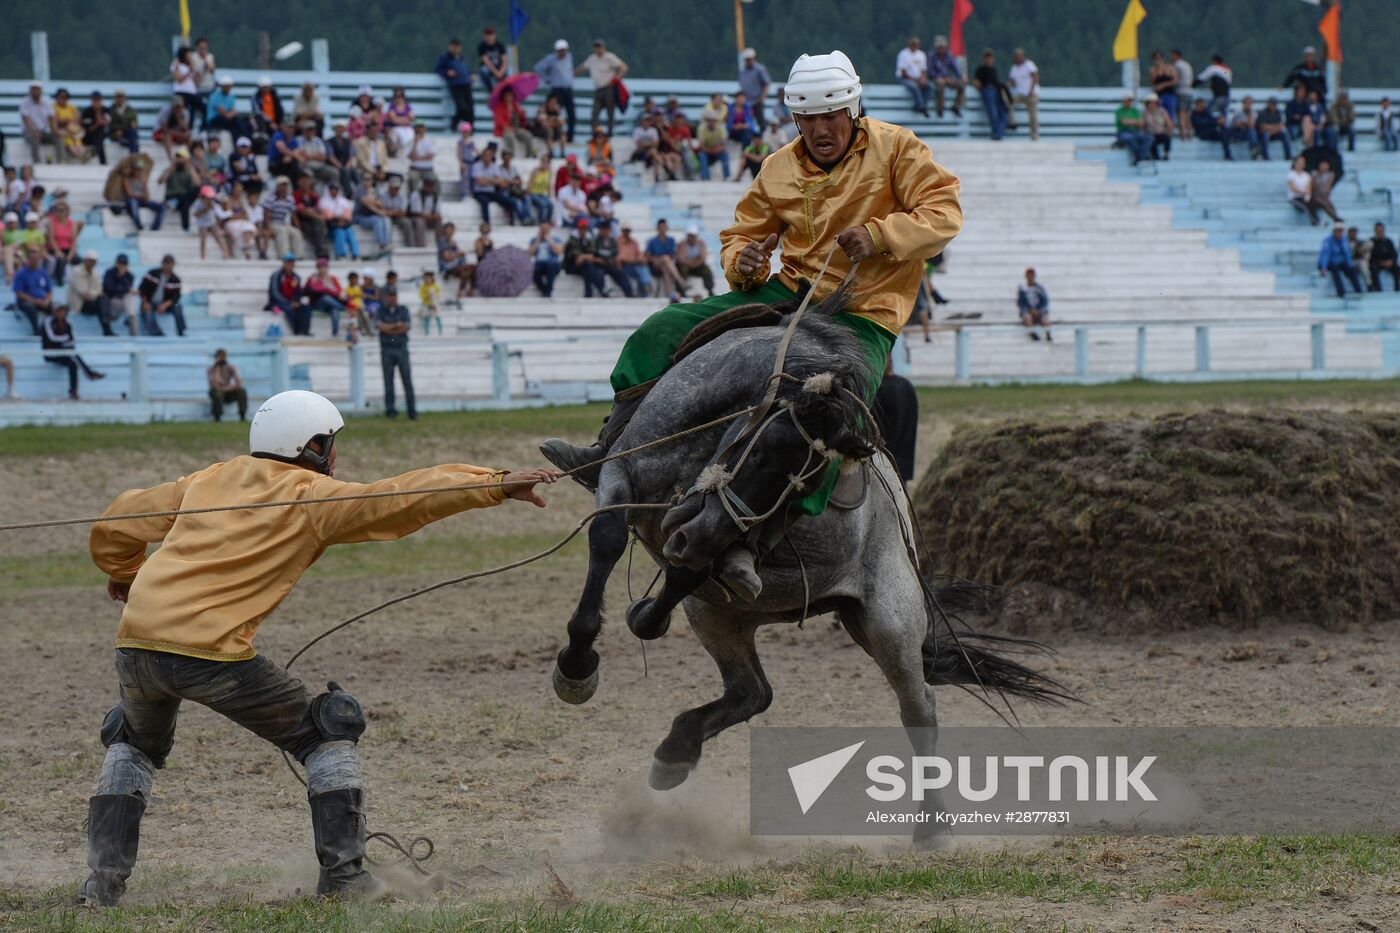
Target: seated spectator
x=338, y=212
x=661, y=256
x=280, y=210
x=341, y=155
x=1383, y=259
x=1341, y=121
x=547, y=252
x=537, y=191
x=753, y=156
x=1323, y=178
x=601, y=210
x=1240, y=127
x=911, y=71
x=57, y=334
x=284, y=292
x=1335, y=259
x=741, y=124
x=1361, y=256
x=283, y=160
x=573, y=203
x=1158, y=125
x=1033, y=303
x=394, y=201
x=1127, y=123
x=209, y=217
x=713, y=145
x=160, y=294
x=268, y=114
x=85, y=286
x=12, y=244
x=716, y=109
x=692, y=259
x=989, y=87
x=549, y=126
x=33, y=288
x=245, y=225
x=119, y=297
x=421, y=157
x=1270, y=126
x=683, y=140
x=644, y=140
x=515, y=188
x=1387, y=129
x=226, y=387
x=136, y=193
x=568, y=172
x=173, y=126
x=581, y=259
x=223, y=112
x=314, y=156
x=1300, y=184
x=309, y=219
x=371, y=215
x=321, y=292
x=1296, y=112
x=215, y=168
x=776, y=136
x=1208, y=127
x=181, y=186
x=483, y=243
x=61, y=234
x=243, y=166
x=424, y=213
x=371, y=157
x=600, y=153
x=944, y=73
x=452, y=262
x=306, y=106
x=1315, y=121
x=605, y=248
x=97, y=123
x=124, y=126
x=634, y=263
x=488, y=186
x=16, y=191
x=466, y=158
x=398, y=122
x=511, y=125
x=8, y=366
x=68, y=126
x=37, y=123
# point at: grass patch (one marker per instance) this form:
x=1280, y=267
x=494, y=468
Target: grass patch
x=1237, y=870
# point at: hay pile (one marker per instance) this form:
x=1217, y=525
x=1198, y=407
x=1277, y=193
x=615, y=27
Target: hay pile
x=1178, y=520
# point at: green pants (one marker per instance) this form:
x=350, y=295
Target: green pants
x=647, y=353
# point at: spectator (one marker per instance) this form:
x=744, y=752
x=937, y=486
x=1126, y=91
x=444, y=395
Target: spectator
x=429, y=297
x=1361, y=256
x=606, y=71
x=537, y=191
x=547, y=252
x=124, y=125
x=37, y=123
x=557, y=73
x=645, y=138
x=988, y=84
x=1127, y=122
x=223, y=112
x=1218, y=77
x=372, y=215
x=314, y=156
x=754, y=155
x=1241, y=127
x=322, y=292
x=661, y=255
x=371, y=157
x=488, y=186
x=338, y=212
x=515, y=188
x=581, y=259
x=1164, y=80
x=944, y=72
x=453, y=70
x=33, y=288
x=421, y=157
x=209, y=217
x=716, y=109
x=68, y=128
x=12, y=242
x=226, y=387
x=1386, y=128
x=681, y=139
x=600, y=205
x=268, y=114
x=394, y=323
x=483, y=243
x=1270, y=126
x=511, y=124
x=424, y=213
x=398, y=122
x=573, y=203
x=281, y=213
x=713, y=145
x=600, y=153
x=309, y=219
x=202, y=61
x=355, y=304
x=896, y=411
x=173, y=126
x=183, y=81
x=97, y=123
x=1335, y=259
x=160, y=294
x=283, y=160
x=340, y=150
x=1383, y=259
x=692, y=259
x=1033, y=303
x=1296, y=112
x=1024, y=78
x=491, y=54
x=606, y=250
x=781, y=133
x=1185, y=99
x=215, y=170
x=548, y=125
x=754, y=82
x=119, y=298
x=1300, y=189
x=61, y=234
x=306, y=108
x=1341, y=121
x=1309, y=75
x=741, y=125
x=245, y=223
x=1158, y=125
x=911, y=71
x=1207, y=127
x=284, y=293
x=85, y=286
x=466, y=158
x=667, y=157
x=243, y=166
x=452, y=262
x=57, y=334
x=634, y=264
x=1323, y=178
x=364, y=111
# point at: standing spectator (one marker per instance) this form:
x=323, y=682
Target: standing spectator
x=911, y=71
x=1309, y=75
x=424, y=213
x=1164, y=84
x=36, y=119
x=1383, y=259
x=1127, y=123
x=453, y=70
x=988, y=84
x=119, y=297
x=429, y=297
x=511, y=125
x=1300, y=184
x=183, y=81
x=1323, y=178
x=466, y=158
x=226, y=387
x=492, y=59
x=124, y=125
x=547, y=252
x=944, y=72
x=160, y=294
x=1024, y=78
x=371, y=157
x=692, y=259
x=306, y=106
x=634, y=264
x=57, y=334
x=61, y=234
x=1033, y=303
x=661, y=255
x=581, y=259
x=713, y=146
x=1185, y=81
x=284, y=293
x=223, y=112
x=1335, y=259
x=1386, y=128
x=85, y=286
x=205, y=76
x=393, y=322
x=606, y=70
x=1341, y=121
x=1241, y=127
x=338, y=211
x=1158, y=125
x=557, y=73
x=322, y=292
x=97, y=123
x=33, y=288
x=309, y=219
x=488, y=186
x=605, y=248
x=1218, y=77
x=1269, y=126
x=754, y=82
x=281, y=213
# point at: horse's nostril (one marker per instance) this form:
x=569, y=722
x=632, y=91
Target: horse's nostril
x=676, y=543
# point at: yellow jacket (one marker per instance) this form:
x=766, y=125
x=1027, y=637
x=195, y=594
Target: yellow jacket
x=887, y=181
x=216, y=576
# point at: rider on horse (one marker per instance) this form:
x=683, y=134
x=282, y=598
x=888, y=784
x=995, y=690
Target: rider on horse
x=869, y=186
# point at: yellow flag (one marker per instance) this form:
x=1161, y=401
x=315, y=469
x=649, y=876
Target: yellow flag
x=185, y=19
x=1125, y=46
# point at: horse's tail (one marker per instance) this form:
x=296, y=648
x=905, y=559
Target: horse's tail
x=977, y=661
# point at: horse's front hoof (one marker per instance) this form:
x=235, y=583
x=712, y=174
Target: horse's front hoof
x=642, y=625
x=575, y=692
x=667, y=775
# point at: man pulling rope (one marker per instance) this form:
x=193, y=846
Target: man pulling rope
x=193, y=608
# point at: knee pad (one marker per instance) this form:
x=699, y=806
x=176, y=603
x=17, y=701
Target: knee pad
x=338, y=716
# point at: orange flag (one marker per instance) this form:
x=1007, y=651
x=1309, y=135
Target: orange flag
x=1330, y=26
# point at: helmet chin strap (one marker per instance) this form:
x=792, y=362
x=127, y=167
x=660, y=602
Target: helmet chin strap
x=321, y=462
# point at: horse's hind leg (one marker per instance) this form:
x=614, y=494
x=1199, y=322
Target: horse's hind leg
x=576, y=672
x=729, y=638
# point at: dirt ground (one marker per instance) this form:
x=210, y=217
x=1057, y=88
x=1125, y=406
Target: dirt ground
x=467, y=743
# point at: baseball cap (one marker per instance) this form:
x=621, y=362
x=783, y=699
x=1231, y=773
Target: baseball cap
x=464, y=127
x=1152, y=98
x=90, y=254
x=207, y=191
x=289, y=257
x=939, y=40
x=264, y=81
x=750, y=53
x=243, y=141
x=11, y=217
x=367, y=272
x=581, y=222
x=693, y=229
x=226, y=80
x=31, y=218
x=560, y=44
x=1309, y=50
x=121, y=259
x=282, y=181
x=322, y=261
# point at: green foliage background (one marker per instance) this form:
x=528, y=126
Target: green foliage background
x=1071, y=40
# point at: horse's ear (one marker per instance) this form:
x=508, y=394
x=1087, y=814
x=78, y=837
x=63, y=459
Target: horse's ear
x=852, y=446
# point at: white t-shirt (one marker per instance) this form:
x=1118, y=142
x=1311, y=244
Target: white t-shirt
x=184, y=78
x=573, y=201
x=1299, y=184
x=911, y=63
x=1022, y=79
x=37, y=112
x=421, y=155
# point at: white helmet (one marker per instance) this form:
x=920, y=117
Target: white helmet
x=285, y=423
x=823, y=84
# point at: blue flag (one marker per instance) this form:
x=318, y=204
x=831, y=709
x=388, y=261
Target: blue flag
x=518, y=19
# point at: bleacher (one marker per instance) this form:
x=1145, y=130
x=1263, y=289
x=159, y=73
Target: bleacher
x=1185, y=269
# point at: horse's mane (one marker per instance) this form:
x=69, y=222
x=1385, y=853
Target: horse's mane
x=821, y=345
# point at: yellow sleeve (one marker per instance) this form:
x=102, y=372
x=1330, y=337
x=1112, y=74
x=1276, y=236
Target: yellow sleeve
x=932, y=214
x=754, y=221
x=393, y=517
x=119, y=548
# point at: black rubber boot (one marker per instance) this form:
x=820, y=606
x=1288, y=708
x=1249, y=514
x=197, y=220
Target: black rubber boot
x=584, y=464
x=114, y=833
x=338, y=822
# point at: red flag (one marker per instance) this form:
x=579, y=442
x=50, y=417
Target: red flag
x=962, y=9
x=1331, y=28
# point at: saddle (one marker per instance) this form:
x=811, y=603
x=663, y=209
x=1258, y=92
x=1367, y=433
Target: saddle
x=740, y=316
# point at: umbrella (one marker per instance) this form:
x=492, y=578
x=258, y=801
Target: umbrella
x=505, y=272
x=1316, y=154
x=523, y=84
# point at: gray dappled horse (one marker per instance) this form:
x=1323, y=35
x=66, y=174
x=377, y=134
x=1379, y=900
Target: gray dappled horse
x=856, y=561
